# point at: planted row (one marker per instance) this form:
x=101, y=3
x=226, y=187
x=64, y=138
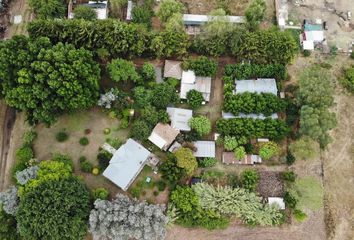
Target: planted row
x=252, y=71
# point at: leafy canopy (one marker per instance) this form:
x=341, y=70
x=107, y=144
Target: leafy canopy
x=84, y=12
x=122, y=70
x=186, y=160
x=200, y=124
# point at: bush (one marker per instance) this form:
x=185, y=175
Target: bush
x=161, y=186
x=288, y=176
x=290, y=159
x=207, y=162
x=168, y=8
x=148, y=72
x=352, y=55
x=61, y=136
x=299, y=215
x=29, y=137
x=84, y=141
x=239, y=153
x=268, y=150
x=114, y=142
x=95, y=171
x=230, y=143
x=306, y=53
x=348, y=79
x=202, y=66
x=200, y=124
x=194, y=99
x=122, y=70
x=135, y=192
x=140, y=130
x=66, y=159
x=249, y=179
x=251, y=71
x=156, y=193
x=86, y=166
x=106, y=131
x=290, y=200
x=48, y=9
x=142, y=15
x=100, y=193
x=24, y=154
x=84, y=12
x=103, y=159
x=82, y=159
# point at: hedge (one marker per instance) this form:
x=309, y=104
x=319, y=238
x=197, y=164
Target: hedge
x=253, y=128
x=252, y=71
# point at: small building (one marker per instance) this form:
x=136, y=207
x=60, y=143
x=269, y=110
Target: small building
x=101, y=8
x=179, y=118
x=277, y=201
x=172, y=69
x=204, y=149
x=313, y=34
x=192, y=82
x=196, y=20
x=249, y=159
x=261, y=85
x=228, y=115
x=126, y=164
x=163, y=136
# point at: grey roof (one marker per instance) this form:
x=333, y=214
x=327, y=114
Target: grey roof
x=126, y=164
x=192, y=82
x=179, y=118
x=195, y=19
x=261, y=85
x=228, y=115
x=204, y=149
x=173, y=69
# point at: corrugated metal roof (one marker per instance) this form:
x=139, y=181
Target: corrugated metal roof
x=261, y=85
x=204, y=149
x=163, y=135
x=195, y=19
x=192, y=82
x=277, y=201
x=179, y=118
x=228, y=115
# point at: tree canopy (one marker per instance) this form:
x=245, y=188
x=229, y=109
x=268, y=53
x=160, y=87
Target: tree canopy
x=48, y=9
x=255, y=14
x=46, y=80
x=200, y=124
x=168, y=8
x=122, y=70
x=186, y=160
x=84, y=12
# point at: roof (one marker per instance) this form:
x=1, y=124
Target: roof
x=204, y=149
x=195, y=19
x=313, y=27
x=261, y=85
x=180, y=118
x=129, y=10
x=192, y=82
x=308, y=45
x=315, y=36
x=173, y=69
x=229, y=158
x=277, y=201
x=228, y=115
x=163, y=135
x=126, y=164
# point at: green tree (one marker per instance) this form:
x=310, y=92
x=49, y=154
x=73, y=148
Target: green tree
x=168, y=8
x=142, y=15
x=140, y=130
x=170, y=171
x=162, y=95
x=240, y=153
x=142, y=96
x=348, y=79
x=8, y=226
x=304, y=148
x=148, y=72
x=230, y=142
x=194, y=99
x=47, y=9
x=186, y=160
x=175, y=23
x=255, y=13
x=268, y=150
x=200, y=124
x=249, y=179
x=85, y=12
x=170, y=43
x=122, y=70
x=202, y=66
x=45, y=80
x=150, y=115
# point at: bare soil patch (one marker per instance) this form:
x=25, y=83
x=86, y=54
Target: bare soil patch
x=270, y=184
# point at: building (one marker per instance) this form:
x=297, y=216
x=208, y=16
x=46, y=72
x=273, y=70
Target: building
x=192, y=82
x=261, y=85
x=277, y=201
x=313, y=34
x=179, y=118
x=126, y=164
x=100, y=7
x=229, y=158
x=228, y=115
x=173, y=69
x=204, y=149
x=163, y=136
x=194, y=19
x=130, y=7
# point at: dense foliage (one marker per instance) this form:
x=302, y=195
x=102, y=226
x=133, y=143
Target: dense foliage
x=169, y=43
x=84, y=12
x=207, y=162
x=8, y=229
x=46, y=80
x=249, y=179
x=268, y=150
x=252, y=71
x=122, y=70
x=348, y=79
x=240, y=153
x=202, y=66
x=195, y=99
x=255, y=14
x=231, y=142
x=170, y=171
x=200, y=124
x=167, y=8
x=162, y=95
x=48, y=9
x=186, y=160
x=252, y=128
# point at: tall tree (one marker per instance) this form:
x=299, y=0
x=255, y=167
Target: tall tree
x=186, y=160
x=255, y=13
x=168, y=8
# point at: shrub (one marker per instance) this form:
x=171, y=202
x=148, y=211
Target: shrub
x=135, y=192
x=230, y=143
x=122, y=70
x=194, y=99
x=290, y=200
x=84, y=12
x=106, y=131
x=268, y=150
x=170, y=171
x=249, y=179
x=100, y=193
x=239, y=153
x=84, y=141
x=207, y=162
x=186, y=160
x=95, y=171
x=168, y=8
x=352, y=55
x=306, y=53
x=103, y=159
x=142, y=15
x=86, y=166
x=140, y=130
x=299, y=215
x=288, y=176
x=156, y=193
x=304, y=148
x=348, y=79
x=202, y=66
x=66, y=159
x=290, y=159
x=161, y=186
x=29, y=137
x=82, y=159
x=24, y=154
x=148, y=72
x=200, y=124
x=61, y=136
x=250, y=71
x=48, y=9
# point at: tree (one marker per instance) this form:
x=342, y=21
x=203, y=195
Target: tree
x=240, y=153
x=194, y=98
x=186, y=160
x=142, y=15
x=175, y=23
x=85, y=12
x=255, y=13
x=170, y=43
x=148, y=72
x=168, y=8
x=137, y=220
x=348, y=79
x=268, y=150
x=200, y=124
x=38, y=216
x=150, y=115
x=162, y=95
x=207, y=162
x=170, y=171
x=8, y=228
x=304, y=148
x=142, y=96
x=45, y=80
x=47, y=9
x=122, y=70
x=202, y=66
x=140, y=130
x=230, y=143
x=249, y=179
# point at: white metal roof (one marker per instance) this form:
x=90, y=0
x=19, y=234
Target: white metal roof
x=188, y=77
x=261, y=85
x=228, y=115
x=126, y=164
x=308, y=45
x=277, y=201
x=129, y=10
x=157, y=140
x=199, y=19
x=192, y=82
x=180, y=118
x=315, y=36
x=204, y=149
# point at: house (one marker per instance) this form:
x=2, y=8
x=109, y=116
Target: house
x=192, y=82
x=173, y=69
x=179, y=118
x=204, y=149
x=228, y=115
x=261, y=85
x=163, y=136
x=278, y=201
x=100, y=7
x=194, y=19
x=229, y=158
x=126, y=164
x=312, y=35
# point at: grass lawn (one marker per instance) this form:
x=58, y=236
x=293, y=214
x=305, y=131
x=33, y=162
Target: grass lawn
x=310, y=193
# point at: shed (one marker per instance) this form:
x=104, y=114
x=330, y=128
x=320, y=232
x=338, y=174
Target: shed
x=163, y=136
x=173, y=69
x=261, y=85
x=179, y=118
x=204, y=149
x=126, y=163
x=278, y=201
